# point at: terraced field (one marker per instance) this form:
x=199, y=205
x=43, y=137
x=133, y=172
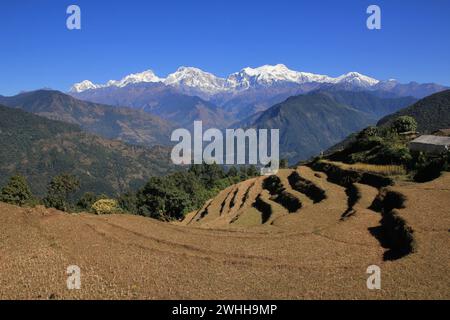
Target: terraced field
x=292, y=236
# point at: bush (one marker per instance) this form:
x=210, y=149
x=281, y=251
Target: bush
x=106, y=206
x=368, y=132
x=404, y=124
x=87, y=200
x=16, y=192
x=393, y=154
x=430, y=170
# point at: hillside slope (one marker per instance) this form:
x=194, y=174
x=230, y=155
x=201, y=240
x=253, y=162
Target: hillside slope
x=310, y=124
x=129, y=125
x=39, y=149
x=431, y=113
x=308, y=253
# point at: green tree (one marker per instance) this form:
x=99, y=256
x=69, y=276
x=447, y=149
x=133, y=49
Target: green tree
x=368, y=132
x=162, y=200
x=59, y=191
x=232, y=172
x=16, y=191
x=404, y=124
x=284, y=164
x=252, y=171
x=128, y=202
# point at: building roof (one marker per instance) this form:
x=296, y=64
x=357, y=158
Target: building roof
x=442, y=132
x=434, y=140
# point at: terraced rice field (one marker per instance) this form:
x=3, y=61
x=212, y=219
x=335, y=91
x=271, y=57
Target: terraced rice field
x=295, y=236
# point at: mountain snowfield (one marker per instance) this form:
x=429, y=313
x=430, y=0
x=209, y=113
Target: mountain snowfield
x=196, y=81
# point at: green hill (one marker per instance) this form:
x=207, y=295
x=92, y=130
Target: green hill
x=311, y=123
x=39, y=149
x=431, y=113
x=129, y=125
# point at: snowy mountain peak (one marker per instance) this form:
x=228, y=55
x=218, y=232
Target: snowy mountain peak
x=357, y=79
x=83, y=86
x=195, y=78
x=195, y=81
x=146, y=76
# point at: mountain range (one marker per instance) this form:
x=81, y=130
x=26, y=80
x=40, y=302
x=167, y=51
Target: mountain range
x=308, y=123
x=221, y=101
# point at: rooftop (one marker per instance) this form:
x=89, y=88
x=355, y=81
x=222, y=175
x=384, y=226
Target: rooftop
x=430, y=139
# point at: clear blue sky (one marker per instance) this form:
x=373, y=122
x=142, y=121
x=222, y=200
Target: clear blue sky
x=220, y=36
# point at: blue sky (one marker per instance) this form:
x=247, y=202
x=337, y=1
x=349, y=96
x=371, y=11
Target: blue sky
x=220, y=36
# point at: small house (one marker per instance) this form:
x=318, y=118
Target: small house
x=430, y=144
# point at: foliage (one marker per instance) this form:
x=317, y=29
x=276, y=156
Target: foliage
x=404, y=124
x=59, y=191
x=16, y=192
x=106, y=206
x=284, y=164
x=87, y=200
x=173, y=196
x=39, y=149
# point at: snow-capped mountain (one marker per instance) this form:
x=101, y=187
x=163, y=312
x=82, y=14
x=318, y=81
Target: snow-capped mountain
x=192, y=80
x=356, y=79
x=195, y=79
x=268, y=75
x=83, y=86
x=142, y=77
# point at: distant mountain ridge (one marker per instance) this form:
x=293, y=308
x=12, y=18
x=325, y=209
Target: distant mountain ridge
x=161, y=100
x=128, y=125
x=39, y=149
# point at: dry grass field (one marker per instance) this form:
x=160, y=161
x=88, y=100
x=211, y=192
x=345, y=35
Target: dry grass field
x=391, y=170
x=305, y=239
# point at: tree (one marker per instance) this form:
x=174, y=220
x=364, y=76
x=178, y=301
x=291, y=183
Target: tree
x=162, y=200
x=368, y=132
x=404, y=124
x=16, y=192
x=232, y=172
x=284, y=164
x=252, y=171
x=128, y=202
x=59, y=191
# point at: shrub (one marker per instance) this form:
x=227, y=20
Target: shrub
x=106, y=206
x=368, y=132
x=16, y=192
x=404, y=124
x=431, y=170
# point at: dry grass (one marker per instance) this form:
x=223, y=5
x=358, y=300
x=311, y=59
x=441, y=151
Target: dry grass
x=310, y=254
x=388, y=170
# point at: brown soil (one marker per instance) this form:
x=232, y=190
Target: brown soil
x=225, y=251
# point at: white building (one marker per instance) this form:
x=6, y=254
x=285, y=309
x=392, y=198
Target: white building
x=430, y=144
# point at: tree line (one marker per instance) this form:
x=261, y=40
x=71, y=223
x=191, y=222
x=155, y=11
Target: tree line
x=165, y=198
